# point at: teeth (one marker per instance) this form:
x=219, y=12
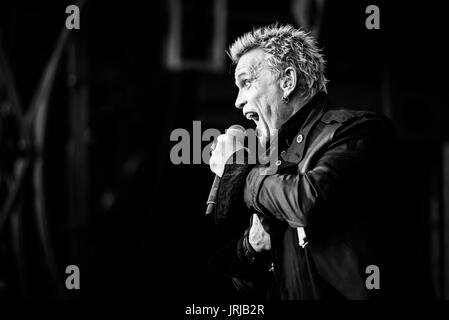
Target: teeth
x=252, y=116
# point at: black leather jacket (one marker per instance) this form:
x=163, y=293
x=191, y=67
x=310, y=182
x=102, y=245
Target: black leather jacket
x=331, y=180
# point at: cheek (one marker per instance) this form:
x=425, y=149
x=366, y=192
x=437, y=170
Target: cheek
x=265, y=97
x=271, y=103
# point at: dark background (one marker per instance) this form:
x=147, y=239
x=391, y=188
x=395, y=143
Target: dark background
x=116, y=206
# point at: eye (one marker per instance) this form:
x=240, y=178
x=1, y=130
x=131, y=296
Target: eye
x=246, y=83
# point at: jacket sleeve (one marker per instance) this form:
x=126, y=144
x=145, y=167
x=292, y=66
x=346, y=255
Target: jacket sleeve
x=334, y=180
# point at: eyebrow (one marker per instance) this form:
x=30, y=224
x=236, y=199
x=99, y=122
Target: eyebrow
x=238, y=79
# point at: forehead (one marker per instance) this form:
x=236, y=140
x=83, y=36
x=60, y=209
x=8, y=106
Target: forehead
x=249, y=60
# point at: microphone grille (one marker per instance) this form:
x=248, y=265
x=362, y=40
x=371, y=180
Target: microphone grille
x=236, y=127
x=237, y=131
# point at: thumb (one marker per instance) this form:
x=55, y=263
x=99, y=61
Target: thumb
x=256, y=220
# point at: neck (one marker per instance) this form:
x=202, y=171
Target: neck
x=298, y=103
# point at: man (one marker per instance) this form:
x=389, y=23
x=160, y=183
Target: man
x=316, y=225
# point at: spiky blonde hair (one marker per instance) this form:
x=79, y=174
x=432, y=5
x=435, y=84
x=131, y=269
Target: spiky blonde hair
x=286, y=47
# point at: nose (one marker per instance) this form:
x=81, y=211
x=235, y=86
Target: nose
x=240, y=101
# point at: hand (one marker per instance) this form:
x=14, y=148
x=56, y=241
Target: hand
x=225, y=146
x=258, y=238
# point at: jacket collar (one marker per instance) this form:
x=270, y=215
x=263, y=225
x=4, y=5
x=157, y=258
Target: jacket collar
x=302, y=120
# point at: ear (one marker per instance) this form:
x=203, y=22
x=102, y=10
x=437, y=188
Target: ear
x=288, y=81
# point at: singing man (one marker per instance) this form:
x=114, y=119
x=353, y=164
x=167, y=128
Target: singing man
x=317, y=226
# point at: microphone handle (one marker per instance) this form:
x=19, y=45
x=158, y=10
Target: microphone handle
x=212, y=195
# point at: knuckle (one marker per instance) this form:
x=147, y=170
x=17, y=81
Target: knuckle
x=221, y=137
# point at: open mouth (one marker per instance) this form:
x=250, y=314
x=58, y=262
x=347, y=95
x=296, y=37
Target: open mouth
x=252, y=116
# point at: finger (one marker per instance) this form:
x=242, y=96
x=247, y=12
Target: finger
x=222, y=137
x=264, y=222
x=256, y=220
x=213, y=146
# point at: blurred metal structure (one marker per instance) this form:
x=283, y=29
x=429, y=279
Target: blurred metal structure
x=183, y=33
x=29, y=162
x=309, y=15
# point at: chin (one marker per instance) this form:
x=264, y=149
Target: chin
x=263, y=139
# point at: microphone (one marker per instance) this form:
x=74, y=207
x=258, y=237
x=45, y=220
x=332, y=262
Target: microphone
x=238, y=132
